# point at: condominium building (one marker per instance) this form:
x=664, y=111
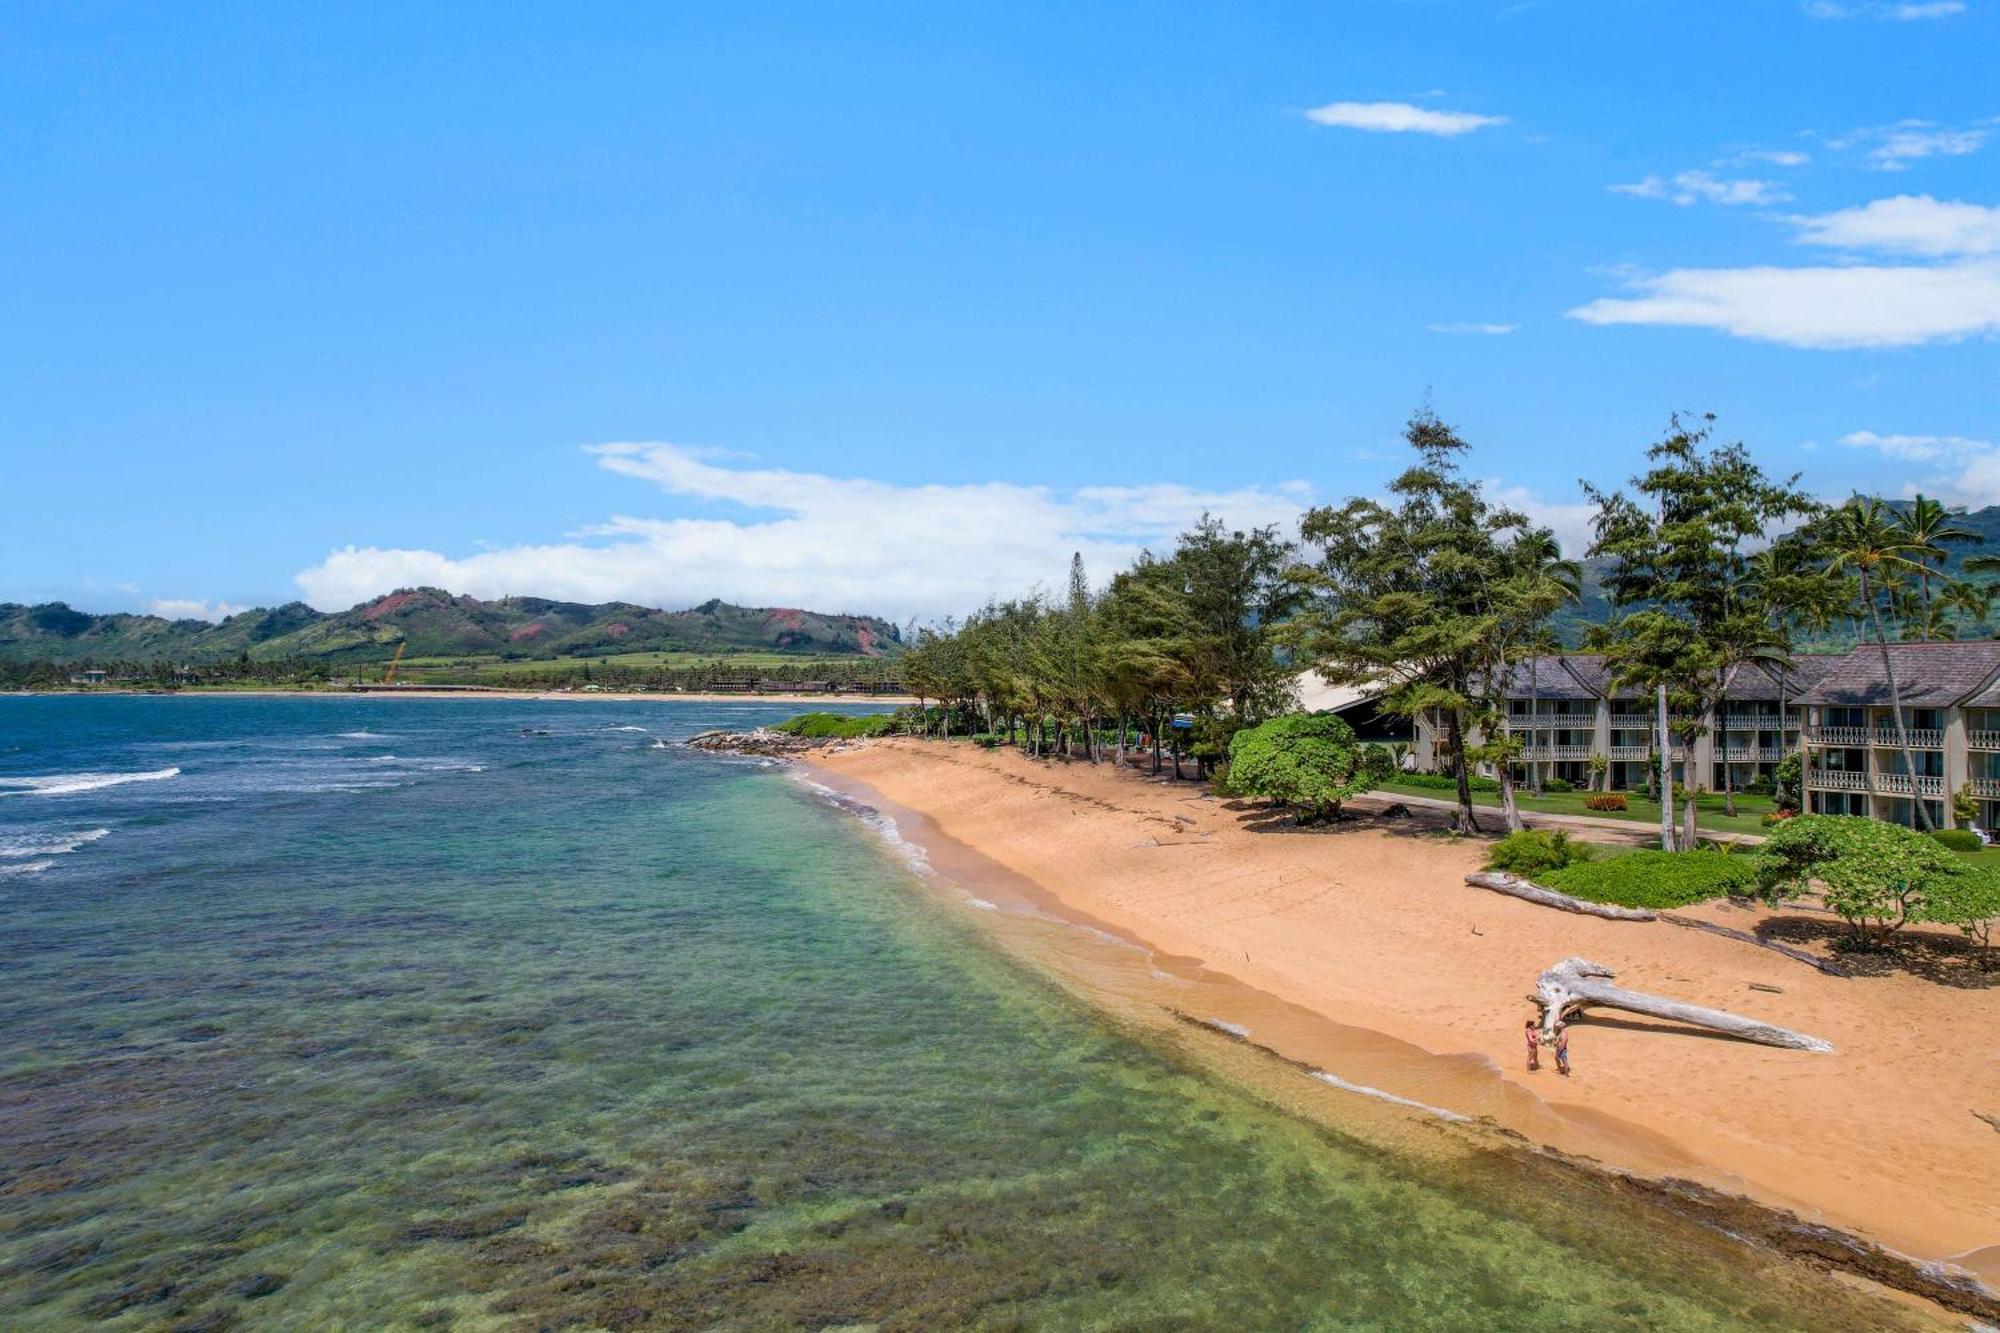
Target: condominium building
x=1855, y=761
x=1566, y=709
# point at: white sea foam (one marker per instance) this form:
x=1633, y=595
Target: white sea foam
x=1377, y=1093
x=1233, y=1029
x=982, y=904
x=47, y=844
x=25, y=867
x=364, y=735
x=68, y=784
x=624, y=728
x=913, y=855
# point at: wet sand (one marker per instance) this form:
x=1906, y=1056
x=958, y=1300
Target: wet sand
x=1357, y=950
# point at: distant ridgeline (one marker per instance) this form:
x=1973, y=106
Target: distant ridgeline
x=431, y=623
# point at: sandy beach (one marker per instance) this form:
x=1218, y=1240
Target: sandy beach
x=1363, y=953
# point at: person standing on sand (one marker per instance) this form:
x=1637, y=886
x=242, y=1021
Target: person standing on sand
x=1534, y=1047
x=1562, y=1048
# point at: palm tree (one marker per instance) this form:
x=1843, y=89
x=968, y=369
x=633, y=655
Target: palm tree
x=1864, y=537
x=1925, y=526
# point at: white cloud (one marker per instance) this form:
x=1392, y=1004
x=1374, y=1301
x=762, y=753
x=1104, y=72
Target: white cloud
x=1843, y=306
x=1694, y=187
x=1969, y=472
x=1918, y=447
x=1468, y=326
x=1894, y=147
x=1909, y=11
x=1570, y=522
x=1400, y=118
x=826, y=543
x=1777, y=157
x=185, y=608
x=1914, y=224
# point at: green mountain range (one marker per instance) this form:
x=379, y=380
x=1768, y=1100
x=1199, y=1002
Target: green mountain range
x=435, y=623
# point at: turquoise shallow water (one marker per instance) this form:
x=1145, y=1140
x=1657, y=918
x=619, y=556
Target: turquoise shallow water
x=479, y=1014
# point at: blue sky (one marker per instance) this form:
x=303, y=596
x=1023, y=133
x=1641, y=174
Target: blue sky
x=890, y=307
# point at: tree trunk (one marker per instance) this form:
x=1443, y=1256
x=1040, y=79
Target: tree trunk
x=1515, y=887
x=1577, y=983
x=1155, y=723
x=1896, y=709
x=1464, y=821
x=1690, y=838
x=1666, y=775
x=1728, y=772
x=1535, y=725
x=1509, y=811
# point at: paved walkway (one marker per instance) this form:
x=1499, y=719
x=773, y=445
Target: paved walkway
x=1629, y=830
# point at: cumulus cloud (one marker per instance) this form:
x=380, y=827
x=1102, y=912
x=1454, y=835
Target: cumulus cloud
x=1400, y=118
x=1777, y=157
x=1968, y=471
x=186, y=608
x=823, y=542
x=1914, y=224
x=1687, y=188
x=1831, y=306
x=1468, y=326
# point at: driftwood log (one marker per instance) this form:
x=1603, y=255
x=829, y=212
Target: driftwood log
x=1516, y=887
x=1796, y=955
x=1578, y=983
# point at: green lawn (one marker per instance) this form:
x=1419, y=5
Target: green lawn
x=1750, y=810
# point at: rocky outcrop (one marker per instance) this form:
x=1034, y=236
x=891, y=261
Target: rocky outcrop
x=764, y=743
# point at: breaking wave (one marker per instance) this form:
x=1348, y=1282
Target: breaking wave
x=66, y=784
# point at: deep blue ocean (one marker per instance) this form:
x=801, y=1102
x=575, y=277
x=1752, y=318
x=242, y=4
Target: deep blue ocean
x=329, y=1013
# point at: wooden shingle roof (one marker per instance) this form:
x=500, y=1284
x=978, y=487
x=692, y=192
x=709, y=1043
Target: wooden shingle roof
x=1928, y=675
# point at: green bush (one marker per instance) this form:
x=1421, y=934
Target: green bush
x=1308, y=761
x=1876, y=876
x=1658, y=879
x=1534, y=852
x=1760, y=787
x=837, y=726
x=1958, y=839
x=987, y=740
x=1443, y=781
x=1558, y=785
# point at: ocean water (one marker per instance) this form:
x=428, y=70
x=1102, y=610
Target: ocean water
x=328, y=1013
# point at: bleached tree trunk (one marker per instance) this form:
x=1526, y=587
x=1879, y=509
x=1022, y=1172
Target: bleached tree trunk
x=1577, y=983
x=1666, y=774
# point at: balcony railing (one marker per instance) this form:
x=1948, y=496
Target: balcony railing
x=1556, y=752
x=1760, y=722
x=1628, y=751
x=1837, y=779
x=1632, y=721
x=1921, y=738
x=1753, y=754
x=1901, y=784
x=1986, y=787
x=1983, y=740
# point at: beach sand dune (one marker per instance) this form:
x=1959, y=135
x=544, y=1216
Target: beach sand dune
x=1369, y=924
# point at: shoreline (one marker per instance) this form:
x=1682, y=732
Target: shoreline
x=1270, y=945
x=495, y=692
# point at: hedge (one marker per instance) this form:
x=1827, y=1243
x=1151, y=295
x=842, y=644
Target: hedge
x=1958, y=839
x=840, y=726
x=1657, y=879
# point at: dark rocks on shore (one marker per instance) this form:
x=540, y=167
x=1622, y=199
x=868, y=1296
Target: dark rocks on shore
x=764, y=743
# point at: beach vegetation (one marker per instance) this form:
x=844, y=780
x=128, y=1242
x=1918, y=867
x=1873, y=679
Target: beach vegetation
x=1677, y=569
x=1656, y=879
x=841, y=726
x=1431, y=597
x=1958, y=839
x=1532, y=853
x=1876, y=876
x=1307, y=762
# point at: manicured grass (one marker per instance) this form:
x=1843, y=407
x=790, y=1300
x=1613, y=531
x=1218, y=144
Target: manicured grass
x=1750, y=810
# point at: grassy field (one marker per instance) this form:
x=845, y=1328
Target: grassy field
x=1750, y=810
